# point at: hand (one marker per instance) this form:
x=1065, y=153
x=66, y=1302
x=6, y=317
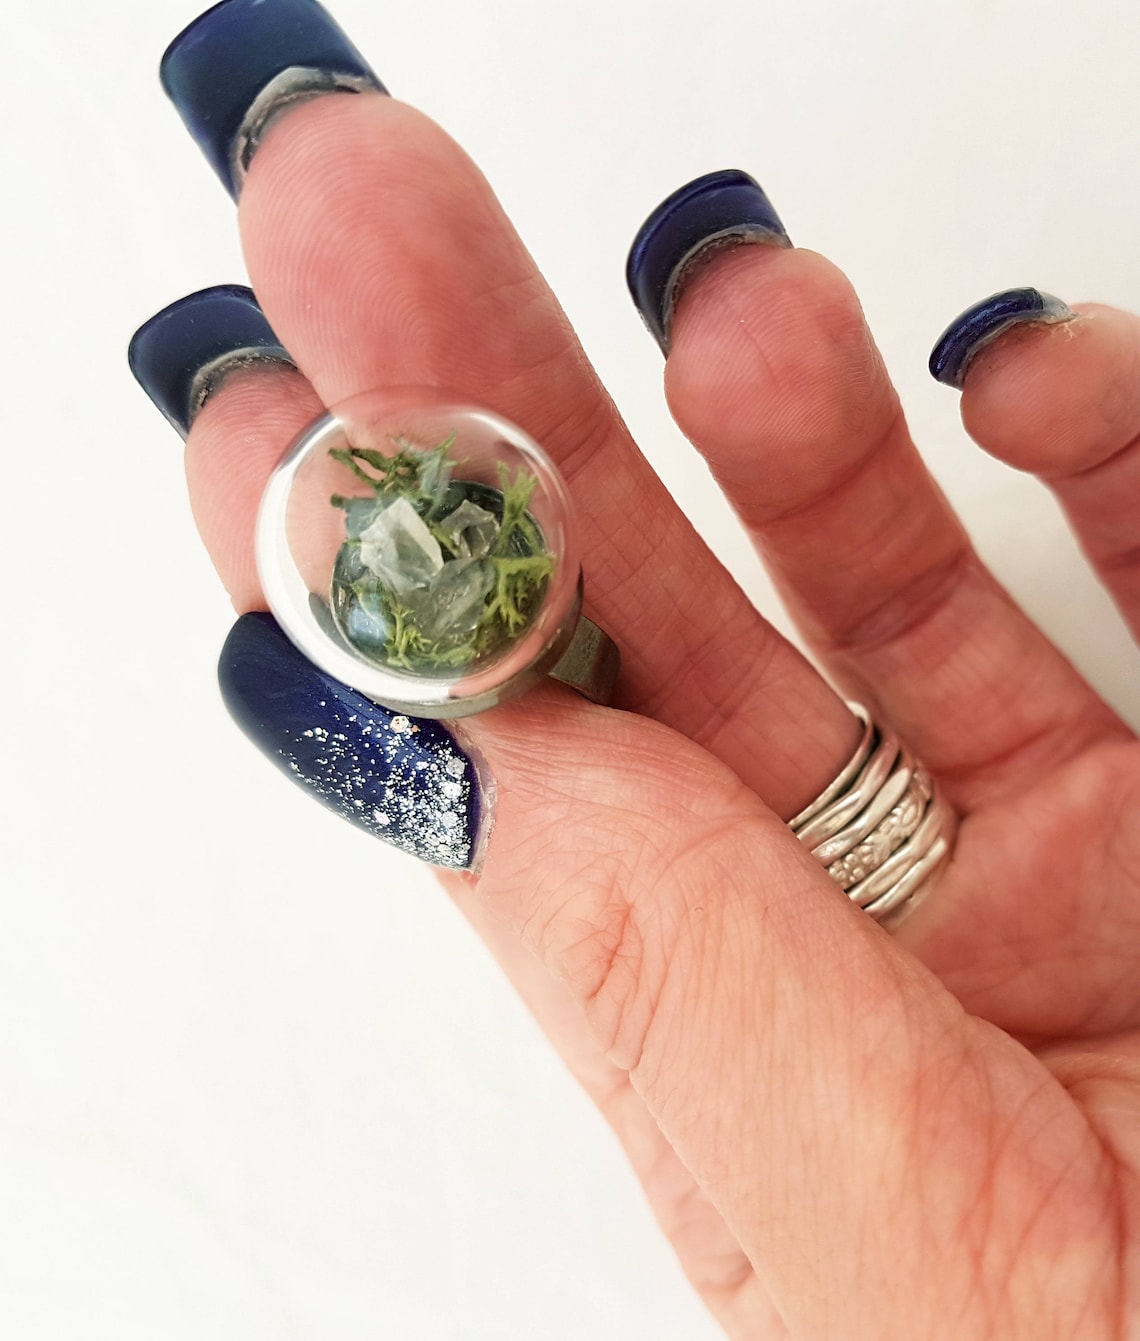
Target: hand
x=843, y=1133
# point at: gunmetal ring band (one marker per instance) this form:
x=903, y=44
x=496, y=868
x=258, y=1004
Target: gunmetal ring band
x=590, y=663
x=880, y=828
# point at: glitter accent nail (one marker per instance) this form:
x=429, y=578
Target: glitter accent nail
x=403, y=779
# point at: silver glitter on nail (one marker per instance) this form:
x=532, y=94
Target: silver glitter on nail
x=398, y=779
x=343, y=750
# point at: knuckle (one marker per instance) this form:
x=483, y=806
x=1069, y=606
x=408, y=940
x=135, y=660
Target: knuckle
x=641, y=958
x=581, y=430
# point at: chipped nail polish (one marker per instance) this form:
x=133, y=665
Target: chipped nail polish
x=400, y=778
x=241, y=63
x=983, y=323
x=719, y=210
x=183, y=352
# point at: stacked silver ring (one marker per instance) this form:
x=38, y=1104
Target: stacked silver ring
x=880, y=829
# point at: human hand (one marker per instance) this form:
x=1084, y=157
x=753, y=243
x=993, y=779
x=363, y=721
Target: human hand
x=843, y=1133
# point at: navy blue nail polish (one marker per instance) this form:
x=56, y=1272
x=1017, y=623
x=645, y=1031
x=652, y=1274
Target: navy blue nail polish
x=401, y=778
x=182, y=353
x=241, y=62
x=718, y=210
x=981, y=324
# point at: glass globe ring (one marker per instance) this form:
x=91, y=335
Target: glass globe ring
x=424, y=551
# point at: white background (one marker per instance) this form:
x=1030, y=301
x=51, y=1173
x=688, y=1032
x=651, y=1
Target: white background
x=258, y=1080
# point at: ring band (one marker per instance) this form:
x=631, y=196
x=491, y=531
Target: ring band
x=590, y=663
x=880, y=829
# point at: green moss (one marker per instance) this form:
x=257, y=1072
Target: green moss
x=521, y=564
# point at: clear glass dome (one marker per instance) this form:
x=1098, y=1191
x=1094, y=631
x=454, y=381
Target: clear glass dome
x=422, y=550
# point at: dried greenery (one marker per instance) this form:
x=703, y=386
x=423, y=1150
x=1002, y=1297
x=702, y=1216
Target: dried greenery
x=397, y=630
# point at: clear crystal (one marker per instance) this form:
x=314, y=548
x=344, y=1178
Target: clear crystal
x=472, y=530
x=451, y=607
x=399, y=549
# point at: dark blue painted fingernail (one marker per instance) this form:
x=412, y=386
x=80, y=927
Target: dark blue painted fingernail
x=241, y=63
x=400, y=778
x=981, y=324
x=718, y=210
x=181, y=355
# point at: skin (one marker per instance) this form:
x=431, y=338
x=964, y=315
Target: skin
x=843, y=1133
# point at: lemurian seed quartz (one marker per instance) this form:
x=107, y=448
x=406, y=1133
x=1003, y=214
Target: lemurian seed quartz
x=421, y=549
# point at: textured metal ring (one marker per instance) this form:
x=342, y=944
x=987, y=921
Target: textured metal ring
x=880, y=828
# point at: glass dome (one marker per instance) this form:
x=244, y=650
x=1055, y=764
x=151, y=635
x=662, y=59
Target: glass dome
x=422, y=550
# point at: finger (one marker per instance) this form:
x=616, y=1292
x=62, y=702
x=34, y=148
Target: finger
x=1063, y=402
x=708, y=1251
x=774, y=376
x=257, y=401
x=380, y=255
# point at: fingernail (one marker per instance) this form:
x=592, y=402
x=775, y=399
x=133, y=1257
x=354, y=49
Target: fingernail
x=981, y=324
x=238, y=65
x=181, y=355
x=721, y=209
x=403, y=779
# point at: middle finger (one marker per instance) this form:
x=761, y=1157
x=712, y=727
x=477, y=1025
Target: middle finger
x=381, y=256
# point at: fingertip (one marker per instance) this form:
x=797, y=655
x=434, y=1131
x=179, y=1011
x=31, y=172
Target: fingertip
x=213, y=366
x=771, y=358
x=1058, y=396
x=375, y=242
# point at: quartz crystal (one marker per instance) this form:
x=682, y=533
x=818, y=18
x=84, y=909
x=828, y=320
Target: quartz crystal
x=472, y=530
x=422, y=550
x=444, y=598
x=452, y=604
x=399, y=549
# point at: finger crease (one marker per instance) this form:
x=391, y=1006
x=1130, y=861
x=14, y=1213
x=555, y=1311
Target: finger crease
x=725, y=700
x=846, y=476
x=907, y=609
x=1119, y=560
x=1090, y=471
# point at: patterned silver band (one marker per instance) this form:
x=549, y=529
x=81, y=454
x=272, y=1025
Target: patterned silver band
x=880, y=829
